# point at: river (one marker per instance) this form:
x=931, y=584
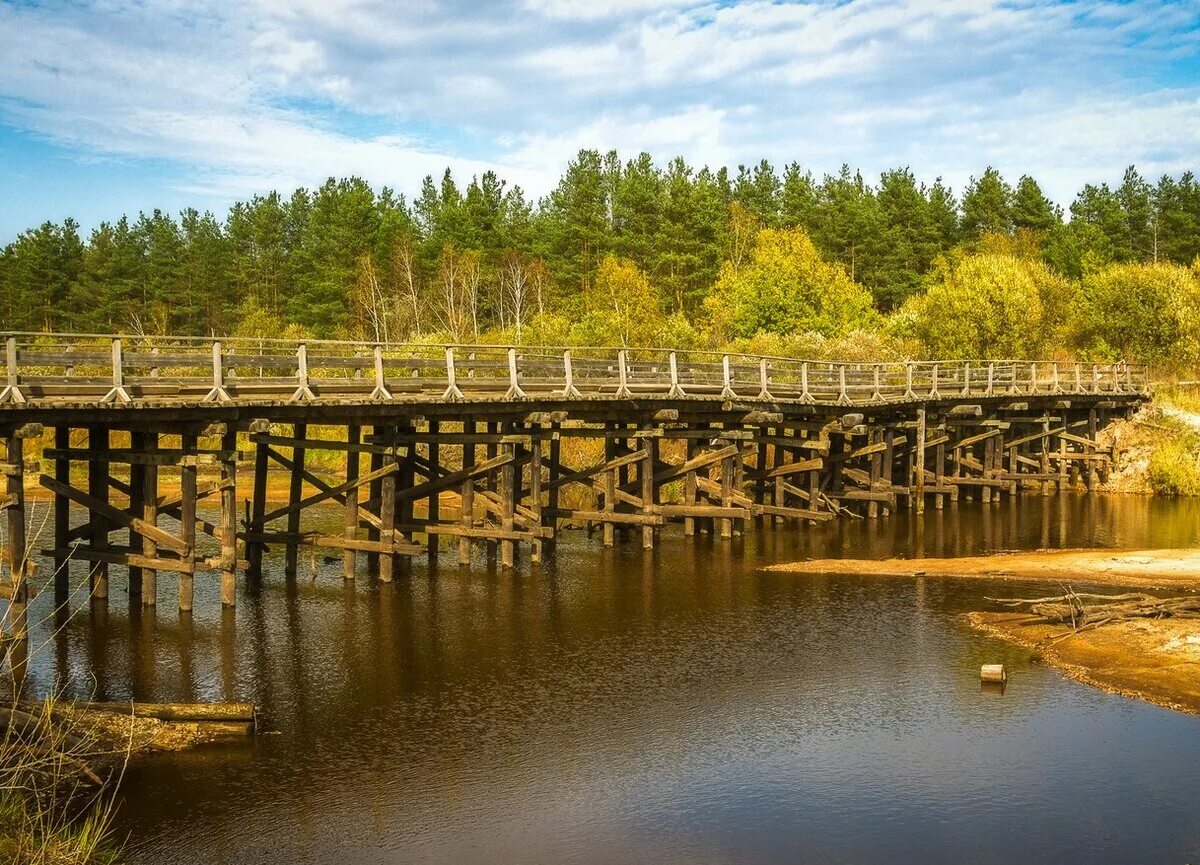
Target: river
x=613, y=706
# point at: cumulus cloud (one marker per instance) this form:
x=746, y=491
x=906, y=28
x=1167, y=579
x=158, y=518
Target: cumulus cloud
x=244, y=97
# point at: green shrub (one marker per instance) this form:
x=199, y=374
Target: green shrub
x=1174, y=468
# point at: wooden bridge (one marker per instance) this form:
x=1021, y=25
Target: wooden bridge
x=465, y=445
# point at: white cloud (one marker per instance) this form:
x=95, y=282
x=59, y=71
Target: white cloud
x=274, y=93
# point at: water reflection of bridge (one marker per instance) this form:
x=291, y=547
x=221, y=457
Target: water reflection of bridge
x=503, y=446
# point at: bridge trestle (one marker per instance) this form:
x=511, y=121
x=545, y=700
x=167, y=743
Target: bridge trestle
x=165, y=493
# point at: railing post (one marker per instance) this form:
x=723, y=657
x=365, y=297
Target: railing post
x=1033, y=388
x=622, y=376
x=908, y=382
x=118, y=392
x=764, y=380
x=877, y=391
x=1055, y=383
x=12, y=390
x=726, y=379
x=676, y=392
x=966, y=391
x=843, y=395
x=933, y=386
x=514, y=387
x=218, y=392
x=991, y=379
x=1078, y=379
x=381, y=390
x=1095, y=379
x=303, y=391
x=805, y=396
x=569, y=390
x=452, y=392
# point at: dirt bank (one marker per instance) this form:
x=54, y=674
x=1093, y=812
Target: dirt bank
x=1143, y=569
x=1156, y=660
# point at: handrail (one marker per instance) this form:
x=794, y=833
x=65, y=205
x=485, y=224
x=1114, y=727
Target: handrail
x=113, y=369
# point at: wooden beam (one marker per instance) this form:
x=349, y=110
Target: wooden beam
x=116, y=515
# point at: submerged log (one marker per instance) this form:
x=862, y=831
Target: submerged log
x=196, y=712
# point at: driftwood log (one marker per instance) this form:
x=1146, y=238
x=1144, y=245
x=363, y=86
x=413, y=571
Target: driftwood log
x=1087, y=610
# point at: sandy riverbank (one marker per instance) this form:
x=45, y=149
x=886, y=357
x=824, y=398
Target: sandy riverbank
x=1142, y=569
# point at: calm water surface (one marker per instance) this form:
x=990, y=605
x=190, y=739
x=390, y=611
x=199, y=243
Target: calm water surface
x=617, y=707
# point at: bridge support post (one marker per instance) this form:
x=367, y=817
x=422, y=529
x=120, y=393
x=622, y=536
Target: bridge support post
x=15, y=553
x=295, y=493
x=98, y=524
x=62, y=516
x=689, y=486
x=350, y=511
x=468, y=494
x=229, y=558
x=258, y=508
x=187, y=517
x=550, y=515
x=535, y=497
x=375, y=495
x=646, y=476
x=433, y=505
x=150, y=516
x=508, y=492
x=137, y=481
x=919, y=460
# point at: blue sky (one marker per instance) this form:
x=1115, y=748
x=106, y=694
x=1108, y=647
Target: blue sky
x=109, y=106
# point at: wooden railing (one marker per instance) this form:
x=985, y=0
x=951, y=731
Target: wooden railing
x=58, y=369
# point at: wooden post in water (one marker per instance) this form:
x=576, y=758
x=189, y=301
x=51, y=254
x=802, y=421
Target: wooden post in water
x=689, y=485
x=1091, y=463
x=646, y=477
x=509, y=480
x=137, y=480
x=535, y=495
x=229, y=516
x=919, y=462
x=98, y=523
x=350, y=512
x=434, y=502
x=62, y=516
x=187, y=516
x=387, y=519
x=550, y=515
x=258, y=504
x=468, y=495
x=150, y=516
x=18, y=604
x=295, y=494
x=375, y=495
x=610, y=489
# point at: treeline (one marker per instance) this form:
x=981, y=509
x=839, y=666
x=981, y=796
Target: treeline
x=635, y=252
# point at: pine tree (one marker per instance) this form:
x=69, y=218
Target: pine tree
x=987, y=206
x=1031, y=209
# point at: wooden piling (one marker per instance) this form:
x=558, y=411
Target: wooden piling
x=62, y=516
x=919, y=462
x=150, y=516
x=350, y=511
x=187, y=516
x=98, y=523
x=15, y=553
x=467, y=495
x=228, y=527
x=295, y=494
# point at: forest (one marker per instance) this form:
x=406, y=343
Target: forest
x=633, y=253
